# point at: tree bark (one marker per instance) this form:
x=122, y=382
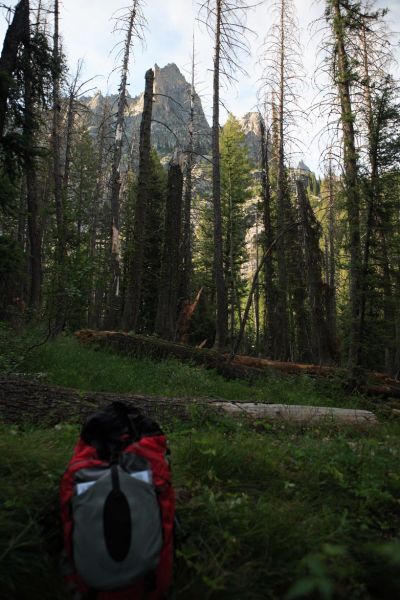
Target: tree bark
x=372, y=187
x=114, y=300
x=187, y=267
x=16, y=35
x=283, y=347
x=322, y=345
x=26, y=401
x=351, y=185
x=30, y=167
x=59, y=300
x=331, y=266
x=187, y=311
x=94, y=314
x=134, y=287
x=222, y=308
x=270, y=333
x=167, y=309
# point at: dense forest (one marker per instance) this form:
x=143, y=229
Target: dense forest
x=174, y=259
x=135, y=214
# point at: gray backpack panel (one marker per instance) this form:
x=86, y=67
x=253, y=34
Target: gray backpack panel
x=93, y=523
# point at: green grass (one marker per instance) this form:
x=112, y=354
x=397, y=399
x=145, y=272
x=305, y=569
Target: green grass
x=31, y=464
x=270, y=511
x=266, y=513
x=66, y=363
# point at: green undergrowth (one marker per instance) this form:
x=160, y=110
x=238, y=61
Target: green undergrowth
x=64, y=362
x=267, y=512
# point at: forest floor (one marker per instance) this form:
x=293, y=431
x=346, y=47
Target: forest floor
x=269, y=511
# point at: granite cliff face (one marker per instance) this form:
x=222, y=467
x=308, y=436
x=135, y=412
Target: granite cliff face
x=170, y=113
x=251, y=126
x=170, y=83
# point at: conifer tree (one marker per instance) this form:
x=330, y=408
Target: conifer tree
x=225, y=19
x=282, y=71
x=235, y=191
x=131, y=24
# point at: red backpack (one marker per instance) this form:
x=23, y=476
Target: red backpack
x=118, y=508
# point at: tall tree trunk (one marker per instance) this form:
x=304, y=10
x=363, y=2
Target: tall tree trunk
x=187, y=266
x=30, y=166
x=114, y=301
x=351, y=180
x=134, y=286
x=68, y=140
x=372, y=186
x=167, y=310
x=230, y=260
x=93, y=315
x=256, y=295
x=270, y=334
x=389, y=309
x=300, y=339
x=396, y=359
x=322, y=345
x=283, y=350
x=15, y=36
x=222, y=308
x=331, y=265
x=59, y=309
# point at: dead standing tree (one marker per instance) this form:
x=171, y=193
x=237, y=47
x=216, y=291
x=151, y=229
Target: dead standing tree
x=225, y=21
x=270, y=334
x=322, y=345
x=31, y=166
x=96, y=213
x=331, y=250
x=131, y=24
x=282, y=72
x=167, y=310
x=135, y=277
x=343, y=18
x=14, y=38
x=187, y=267
x=59, y=300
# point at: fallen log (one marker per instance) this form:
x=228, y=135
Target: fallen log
x=386, y=383
x=159, y=349
x=23, y=400
x=382, y=391
x=28, y=401
x=241, y=367
x=288, y=367
x=299, y=414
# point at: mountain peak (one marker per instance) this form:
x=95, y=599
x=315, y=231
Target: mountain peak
x=170, y=70
x=303, y=167
x=251, y=122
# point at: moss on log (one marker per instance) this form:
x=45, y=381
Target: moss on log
x=27, y=401
x=241, y=367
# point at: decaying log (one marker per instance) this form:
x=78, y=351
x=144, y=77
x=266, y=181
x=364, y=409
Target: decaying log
x=288, y=367
x=313, y=370
x=299, y=414
x=22, y=400
x=382, y=391
x=241, y=367
x=159, y=349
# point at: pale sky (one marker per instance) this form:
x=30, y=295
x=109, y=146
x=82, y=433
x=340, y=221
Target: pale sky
x=86, y=27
